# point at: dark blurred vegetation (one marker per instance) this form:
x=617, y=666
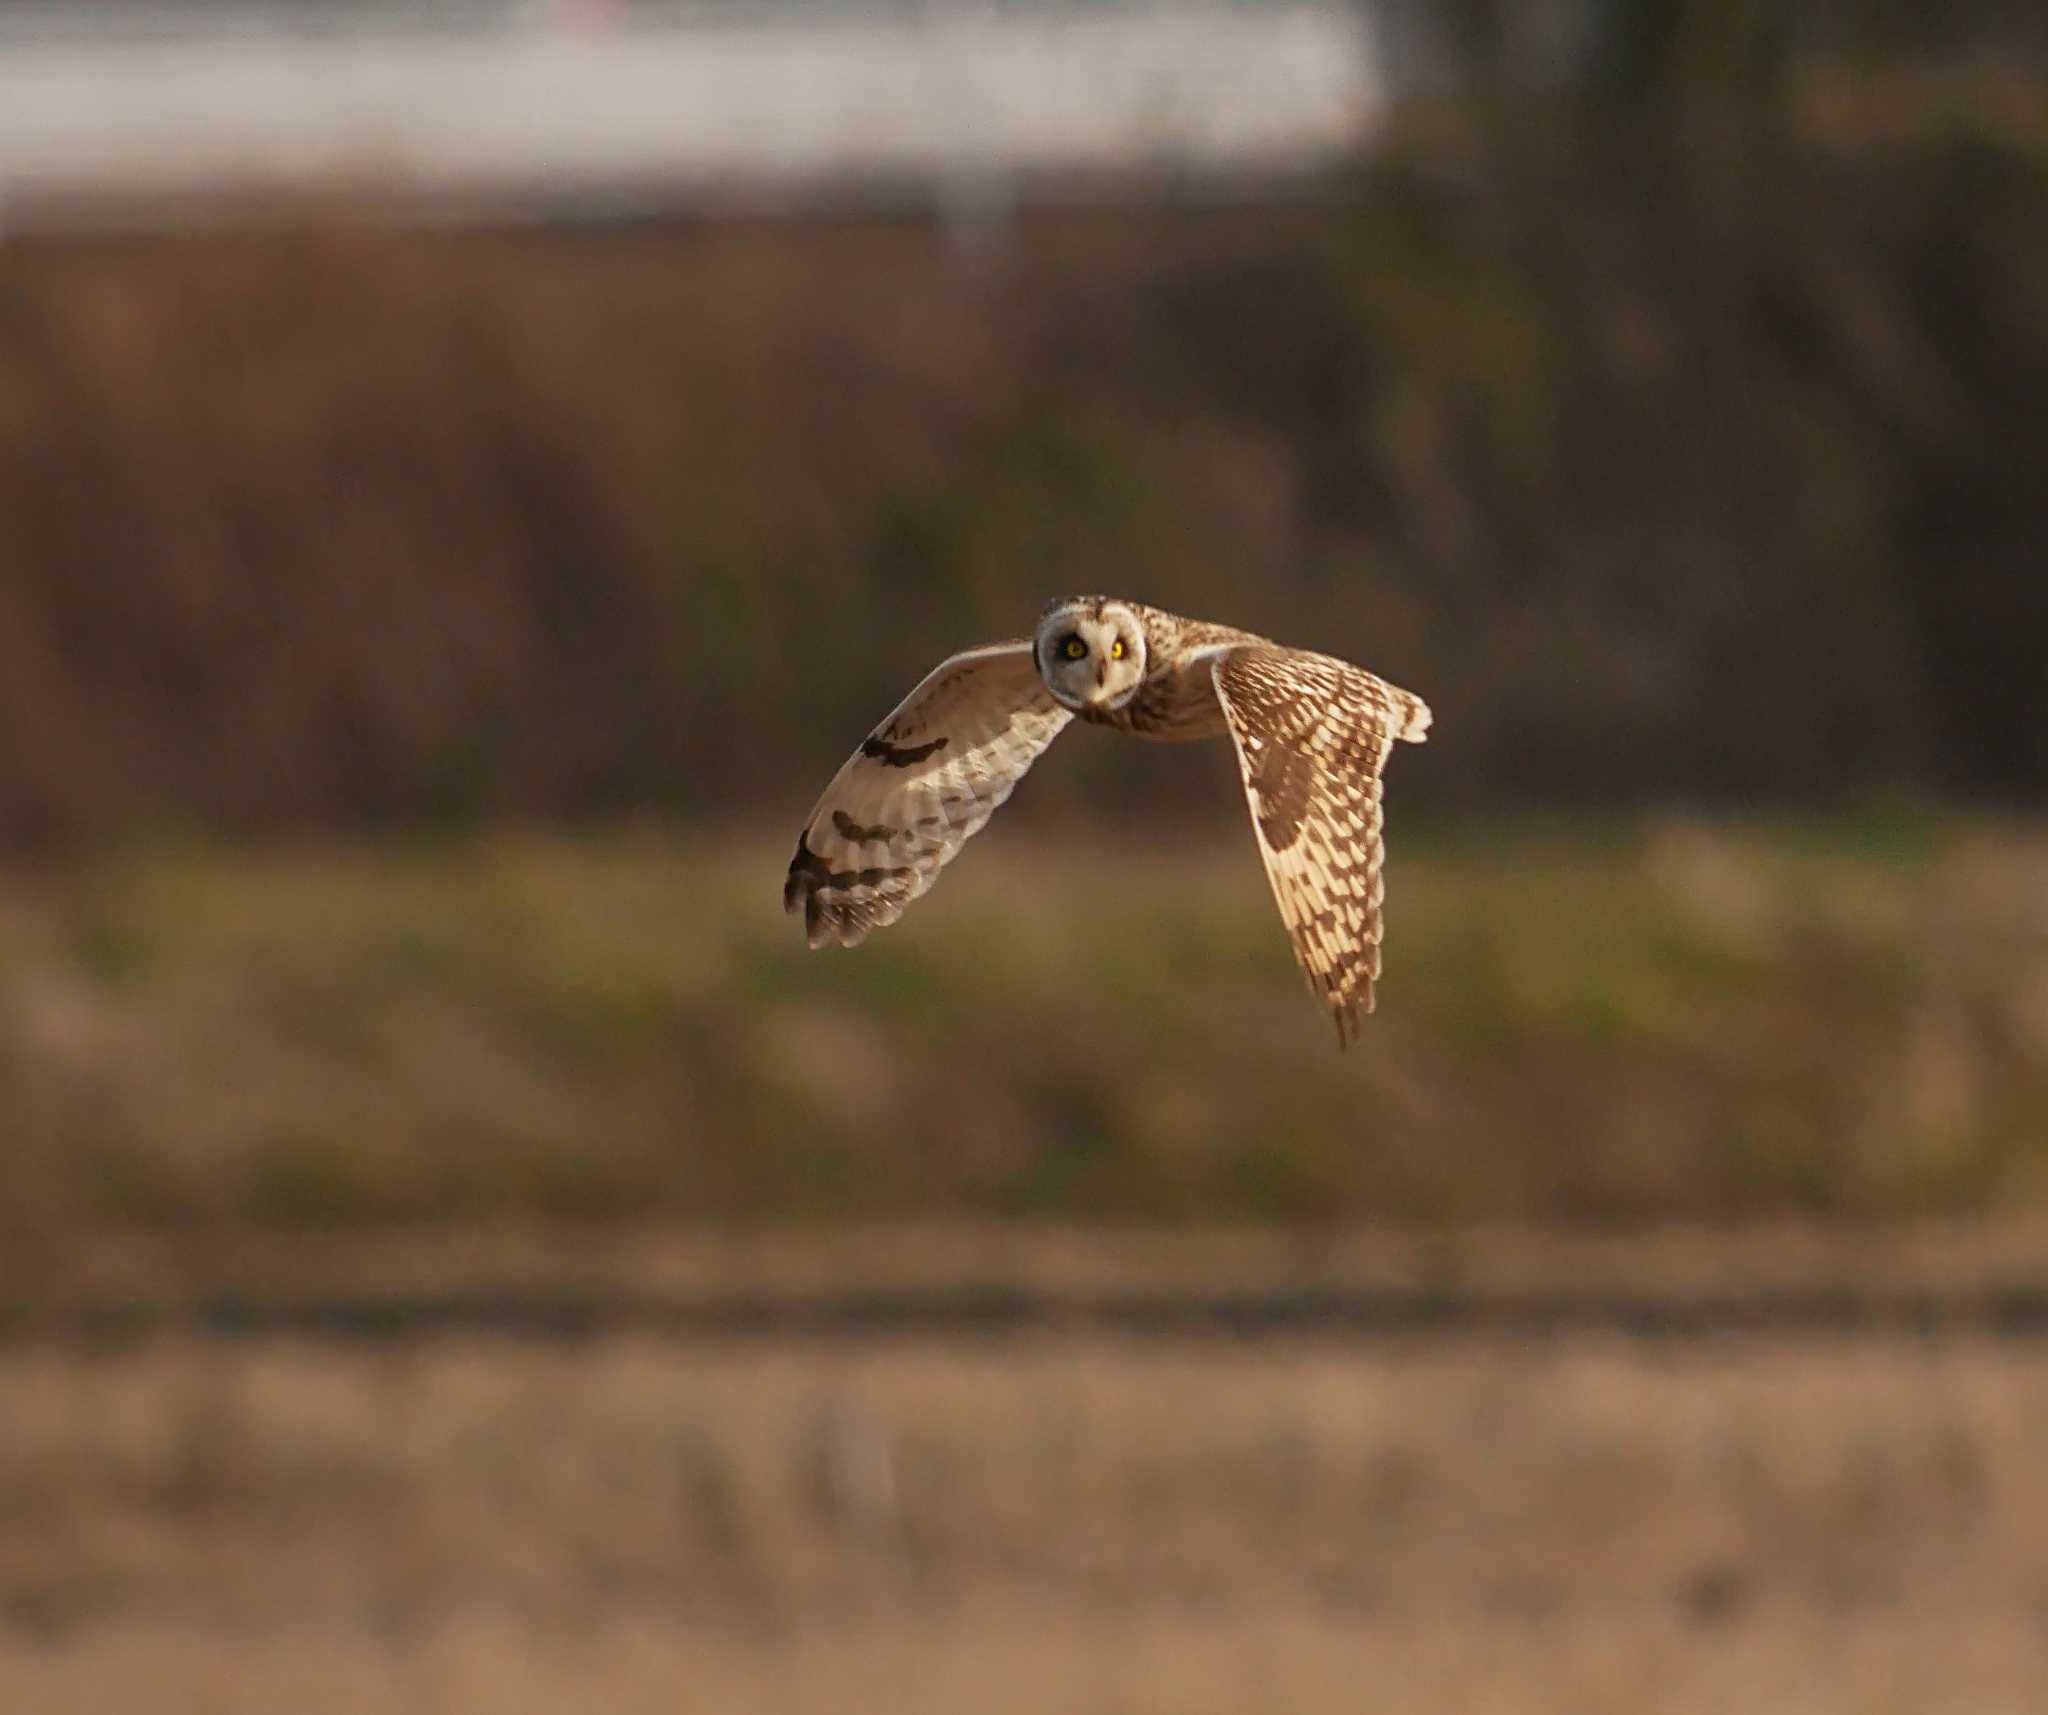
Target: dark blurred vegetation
x=1677, y=429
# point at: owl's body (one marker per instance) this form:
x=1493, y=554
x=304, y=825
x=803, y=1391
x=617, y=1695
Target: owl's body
x=1311, y=733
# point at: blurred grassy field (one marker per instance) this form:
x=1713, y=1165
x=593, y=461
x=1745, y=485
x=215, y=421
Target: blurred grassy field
x=1672, y=1019
x=1556, y=1528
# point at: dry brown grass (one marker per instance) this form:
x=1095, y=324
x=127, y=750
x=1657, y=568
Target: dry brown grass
x=1580, y=1527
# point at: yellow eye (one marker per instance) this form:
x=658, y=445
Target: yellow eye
x=1074, y=649
x=1116, y=650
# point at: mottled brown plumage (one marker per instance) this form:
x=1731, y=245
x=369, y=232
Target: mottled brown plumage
x=1311, y=733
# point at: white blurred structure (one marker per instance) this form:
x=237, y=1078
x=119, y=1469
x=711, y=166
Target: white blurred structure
x=553, y=108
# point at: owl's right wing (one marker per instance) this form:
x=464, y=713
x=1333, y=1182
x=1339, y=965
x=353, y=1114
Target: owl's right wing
x=921, y=785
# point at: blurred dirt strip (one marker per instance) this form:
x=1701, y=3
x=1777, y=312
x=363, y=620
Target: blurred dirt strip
x=970, y=1281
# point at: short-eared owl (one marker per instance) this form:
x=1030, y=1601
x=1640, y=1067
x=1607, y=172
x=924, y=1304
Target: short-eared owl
x=1312, y=734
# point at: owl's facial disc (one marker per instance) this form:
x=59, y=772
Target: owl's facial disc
x=1091, y=656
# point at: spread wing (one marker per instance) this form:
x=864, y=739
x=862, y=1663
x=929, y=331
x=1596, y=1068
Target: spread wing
x=920, y=786
x=1312, y=734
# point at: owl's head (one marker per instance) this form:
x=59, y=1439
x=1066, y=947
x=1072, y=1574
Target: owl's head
x=1091, y=653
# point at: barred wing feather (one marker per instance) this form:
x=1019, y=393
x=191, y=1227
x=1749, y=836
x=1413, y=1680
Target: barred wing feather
x=920, y=786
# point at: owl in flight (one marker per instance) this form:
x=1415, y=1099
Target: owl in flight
x=1311, y=733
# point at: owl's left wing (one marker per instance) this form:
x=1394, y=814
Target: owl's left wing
x=921, y=785
x=1312, y=734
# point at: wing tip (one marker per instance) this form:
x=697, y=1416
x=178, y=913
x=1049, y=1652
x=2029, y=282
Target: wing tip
x=1350, y=1005
x=830, y=911
x=1349, y=1016
x=823, y=923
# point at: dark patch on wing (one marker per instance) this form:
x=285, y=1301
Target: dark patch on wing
x=1284, y=780
x=810, y=875
x=900, y=756
x=849, y=829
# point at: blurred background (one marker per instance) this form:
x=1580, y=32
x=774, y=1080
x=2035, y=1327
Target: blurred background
x=468, y=475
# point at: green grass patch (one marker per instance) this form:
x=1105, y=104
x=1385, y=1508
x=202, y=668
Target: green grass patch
x=1677, y=1019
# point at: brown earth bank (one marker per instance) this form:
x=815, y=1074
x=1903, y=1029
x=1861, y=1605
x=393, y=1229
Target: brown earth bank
x=1029, y=1273
x=1764, y=1527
